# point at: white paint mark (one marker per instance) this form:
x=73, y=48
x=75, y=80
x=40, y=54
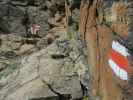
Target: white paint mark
x=34, y=29
x=122, y=74
x=120, y=48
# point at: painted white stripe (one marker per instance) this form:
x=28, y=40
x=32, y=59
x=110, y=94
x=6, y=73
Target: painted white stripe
x=34, y=29
x=120, y=48
x=122, y=74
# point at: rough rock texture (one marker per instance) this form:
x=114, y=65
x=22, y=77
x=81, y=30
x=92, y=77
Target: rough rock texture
x=99, y=20
x=56, y=69
x=47, y=64
x=17, y=16
x=53, y=64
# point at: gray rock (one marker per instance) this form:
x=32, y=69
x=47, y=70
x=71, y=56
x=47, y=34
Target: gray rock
x=39, y=69
x=68, y=81
x=15, y=21
x=17, y=27
x=39, y=17
x=57, y=64
x=11, y=17
x=20, y=2
x=34, y=89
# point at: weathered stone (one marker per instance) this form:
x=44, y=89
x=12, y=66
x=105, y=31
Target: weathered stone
x=24, y=48
x=39, y=69
x=59, y=72
x=20, y=15
x=57, y=63
x=34, y=89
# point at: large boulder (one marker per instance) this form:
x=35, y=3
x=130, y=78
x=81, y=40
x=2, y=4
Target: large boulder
x=53, y=71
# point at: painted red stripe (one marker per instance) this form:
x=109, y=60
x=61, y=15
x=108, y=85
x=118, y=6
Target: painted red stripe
x=36, y=28
x=121, y=61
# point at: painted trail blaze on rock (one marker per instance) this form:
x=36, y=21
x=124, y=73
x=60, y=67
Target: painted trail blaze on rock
x=35, y=29
x=118, y=60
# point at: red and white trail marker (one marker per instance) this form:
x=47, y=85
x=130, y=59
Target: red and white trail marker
x=35, y=29
x=118, y=60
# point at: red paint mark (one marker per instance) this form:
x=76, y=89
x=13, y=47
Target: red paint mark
x=35, y=29
x=121, y=61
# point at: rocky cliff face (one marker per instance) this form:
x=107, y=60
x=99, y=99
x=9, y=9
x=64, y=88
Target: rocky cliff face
x=17, y=16
x=46, y=65
x=101, y=22
x=19, y=19
x=44, y=57
x=57, y=71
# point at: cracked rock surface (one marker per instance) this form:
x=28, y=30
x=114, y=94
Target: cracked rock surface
x=45, y=65
x=56, y=69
